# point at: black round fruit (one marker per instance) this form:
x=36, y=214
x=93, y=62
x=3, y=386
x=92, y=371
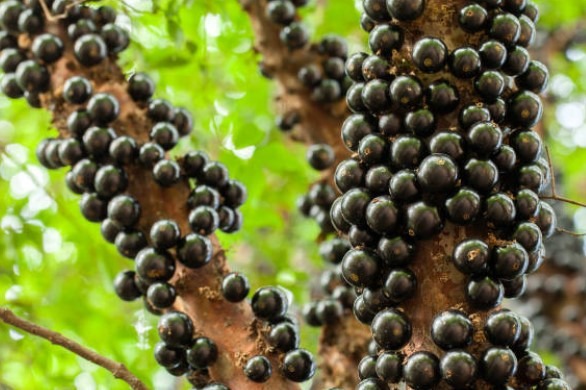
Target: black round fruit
x=130, y=242
x=165, y=234
x=96, y=141
x=203, y=353
x=531, y=369
x=382, y=215
x=375, y=96
x=490, y=85
x=110, y=181
x=160, y=110
x=437, y=173
x=458, y=369
x=353, y=66
x=103, y=108
x=235, y=287
x=269, y=303
x=497, y=365
x=164, y=134
x=175, y=329
x=214, y=174
x=169, y=357
x=141, y=87
x=423, y=220
x=452, y=329
x=92, y=207
x=406, y=91
x=376, y=10
x=77, y=90
x=500, y=210
x=124, y=210
x=421, y=122
x=78, y=122
x=465, y=62
x=484, y=292
x=389, y=367
x=283, y=336
x=298, y=365
x=9, y=13
x=90, y=49
x=395, y=252
x=535, y=77
x=407, y=152
x=367, y=367
x=194, y=251
x=161, y=295
x=527, y=144
x=32, y=77
x=204, y=195
x=430, y=54
x=422, y=370
x=529, y=236
x=48, y=48
x=320, y=156
x=109, y=229
x=123, y=150
x=400, y=285
x=391, y=329
x=517, y=61
x=464, y=206
x=509, y=261
x=9, y=86
x=294, y=36
x=505, y=28
x=473, y=18
x=502, y=328
x=166, y=172
x=405, y=10
x=525, y=109
x=481, y=175
x=115, y=37
x=442, y=97
x=385, y=38
x=154, y=266
x=150, y=153
x=472, y=257
x=281, y=12
x=360, y=268
x=125, y=287
x=258, y=369
x=375, y=67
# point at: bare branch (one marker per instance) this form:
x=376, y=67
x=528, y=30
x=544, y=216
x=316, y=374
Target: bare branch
x=117, y=369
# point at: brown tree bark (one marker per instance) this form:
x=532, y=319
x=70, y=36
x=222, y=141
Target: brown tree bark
x=231, y=326
x=342, y=345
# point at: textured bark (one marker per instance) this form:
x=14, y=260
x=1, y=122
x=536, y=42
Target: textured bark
x=231, y=326
x=440, y=285
x=342, y=345
x=555, y=43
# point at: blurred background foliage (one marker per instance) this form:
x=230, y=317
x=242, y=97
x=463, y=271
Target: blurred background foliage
x=56, y=270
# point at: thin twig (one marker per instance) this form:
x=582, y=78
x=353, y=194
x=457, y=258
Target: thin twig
x=554, y=195
x=565, y=200
x=571, y=233
x=50, y=17
x=551, y=172
x=117, y=369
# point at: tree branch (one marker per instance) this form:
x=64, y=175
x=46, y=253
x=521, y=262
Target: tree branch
x=231, y=326
x=117, y=369
x=343, y=344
